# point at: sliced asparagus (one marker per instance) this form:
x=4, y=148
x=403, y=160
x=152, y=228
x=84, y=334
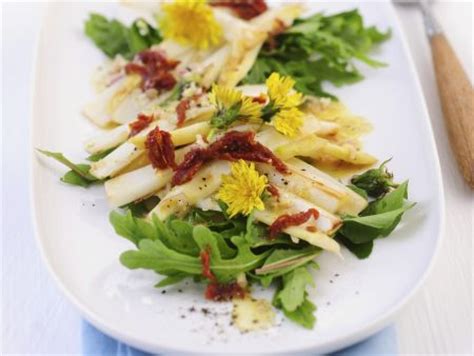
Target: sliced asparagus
x=351, y=203
x=100, y=110
x=140, y=183
x=113, y=163
x=320, y=148
x=182, y=197
x=108, y=139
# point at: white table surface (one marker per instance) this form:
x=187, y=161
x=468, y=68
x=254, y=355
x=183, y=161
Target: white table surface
x=36, y=318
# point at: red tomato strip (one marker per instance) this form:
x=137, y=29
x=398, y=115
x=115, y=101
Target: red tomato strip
x=287, y=220
x=245, y=9
x=139, y=124
x=218, y=291
x=160, y=149
x=155, y=70
x=234, y=145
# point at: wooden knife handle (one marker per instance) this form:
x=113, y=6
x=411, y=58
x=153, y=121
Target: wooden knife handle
x=457, y=98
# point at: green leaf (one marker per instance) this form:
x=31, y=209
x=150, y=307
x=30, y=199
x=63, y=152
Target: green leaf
x=293, y=293
x=375, y=182
x=142, y=207
x=80, y=169
x=79, y=173
x=379, y=219
x=113, y=37
x=366, y=228
x=358, y=190
x=132, y=228
x=73, y=178
x=141, y=36
x=177, y=235
x=154, y=255
x=98, y=156
x=317, y=49
x=303, y=315
x=170, y=280
x=393, y=200
x=228, y=269
x=282, y=261
x=362, y=250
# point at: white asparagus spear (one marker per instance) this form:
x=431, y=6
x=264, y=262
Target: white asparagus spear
x=312, y=190
x=136, y=103
x=108, y=139
x=272, y=138
x=116, y=136
x=212, y=66
x=113, y=163
x=352, y=203
x=246, y=46
x=140, y=183
x=100, y=110
x=182, y=197
x=188, y=134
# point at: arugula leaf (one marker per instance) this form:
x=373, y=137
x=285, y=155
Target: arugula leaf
x=317, y=49
x=113, y=37
x=71, y=177
x=228, y=269
x=142, y=207
x=79, y=173
x=379, y=219
x=172, y=279
x=282, y=261
x=304, y=314
x=293, y=300
x=375, y=182
x=98, y=156
x=292, y=295
x=141, y=36
x=132, y=228
x=154, y=255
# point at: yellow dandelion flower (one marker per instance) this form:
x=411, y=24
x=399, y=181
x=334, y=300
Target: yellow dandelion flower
x=224, y=97
x=281, y=93
x=190, y=23
x=242, y=189
x=288, y=121
x=250, y=109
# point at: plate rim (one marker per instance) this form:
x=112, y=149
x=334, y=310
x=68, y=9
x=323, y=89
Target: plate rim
x=335, y=344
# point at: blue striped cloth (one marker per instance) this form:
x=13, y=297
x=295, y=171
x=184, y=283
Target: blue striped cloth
x=96, y=343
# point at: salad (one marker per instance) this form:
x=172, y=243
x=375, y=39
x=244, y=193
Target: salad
x=224, y=158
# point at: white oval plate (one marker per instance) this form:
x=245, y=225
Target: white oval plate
x=354, y=298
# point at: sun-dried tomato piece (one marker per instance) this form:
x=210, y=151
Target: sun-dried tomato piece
x=181, y=109
x=261, y=99
x=139, y=124
x=234, y=145
x=245, y=9
x=183, y=106
x=224, y=291
x=273, y=190
x=218, y=291
x=206, y=265
x=154, y=68
x=160, y=149
x=287, y=220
